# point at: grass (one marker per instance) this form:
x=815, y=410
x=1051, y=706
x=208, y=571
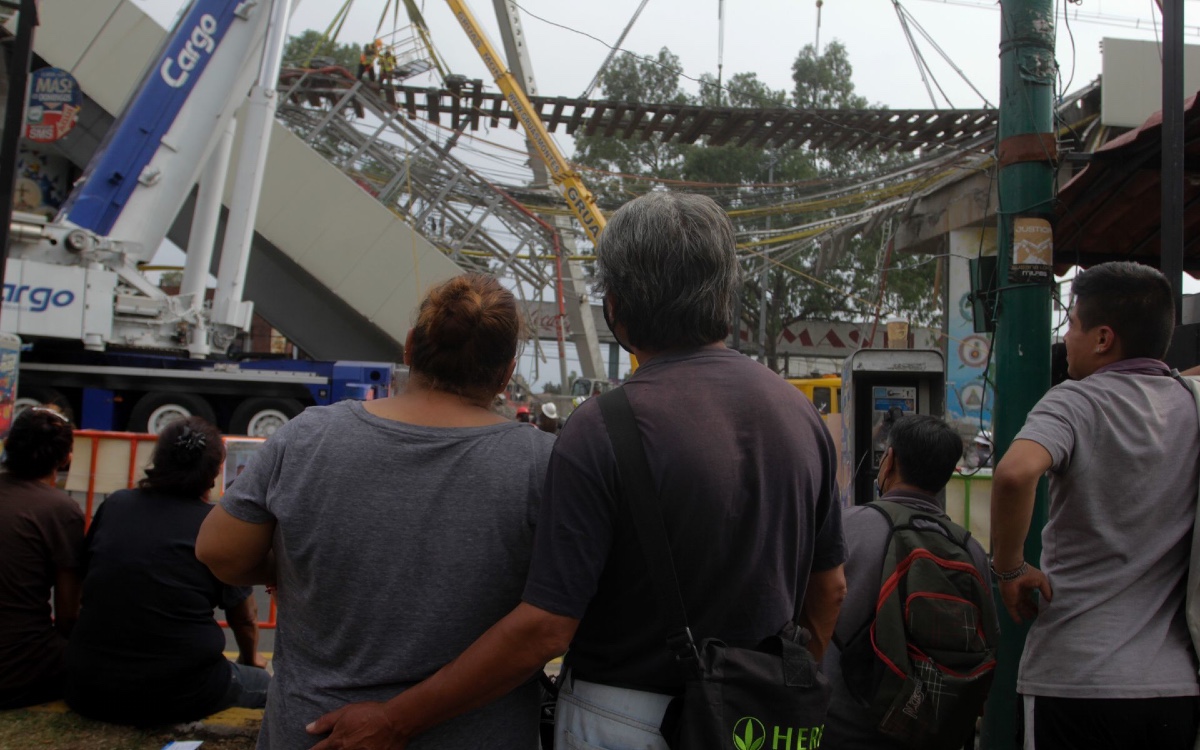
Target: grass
x=53, y=730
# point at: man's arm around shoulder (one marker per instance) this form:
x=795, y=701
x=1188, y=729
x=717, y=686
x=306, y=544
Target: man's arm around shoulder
x=504, y=657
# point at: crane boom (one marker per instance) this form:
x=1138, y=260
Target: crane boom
x=578, y=197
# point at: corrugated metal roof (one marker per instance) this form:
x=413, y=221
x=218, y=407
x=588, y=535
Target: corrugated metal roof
x=1112, y=209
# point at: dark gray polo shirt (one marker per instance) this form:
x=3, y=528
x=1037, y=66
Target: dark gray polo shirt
x=745, y=470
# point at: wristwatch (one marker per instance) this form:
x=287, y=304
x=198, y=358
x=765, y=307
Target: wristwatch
x=1010, y=575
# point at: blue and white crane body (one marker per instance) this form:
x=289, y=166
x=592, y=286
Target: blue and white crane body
x=140, y=355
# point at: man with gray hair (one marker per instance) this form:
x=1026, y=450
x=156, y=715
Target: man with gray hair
x=744, y=469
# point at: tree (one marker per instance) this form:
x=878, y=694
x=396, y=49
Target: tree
x=743, y=164
x=301, y=49
x=630, y=78
x=850, y=271
x=825, y=81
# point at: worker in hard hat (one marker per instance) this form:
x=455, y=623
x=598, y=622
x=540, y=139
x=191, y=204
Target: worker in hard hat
x=387, y=66
x=980, y=452
x=366, y=61
x=547, y=420
x=523, y=415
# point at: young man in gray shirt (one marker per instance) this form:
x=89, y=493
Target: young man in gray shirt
x=1108, y=662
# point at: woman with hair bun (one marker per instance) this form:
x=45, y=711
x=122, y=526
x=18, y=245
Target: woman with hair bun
x=41, y=542
x=397, y=530
x=147, y=649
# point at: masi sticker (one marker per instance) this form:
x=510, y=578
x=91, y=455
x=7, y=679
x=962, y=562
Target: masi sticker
x=54, y=103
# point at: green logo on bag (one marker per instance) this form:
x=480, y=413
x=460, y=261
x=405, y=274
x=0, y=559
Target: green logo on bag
x=749, y=734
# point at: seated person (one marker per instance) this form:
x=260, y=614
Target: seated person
x=147, y=649
x=41, y=541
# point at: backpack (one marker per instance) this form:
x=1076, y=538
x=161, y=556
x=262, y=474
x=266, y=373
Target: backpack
x=924, y=664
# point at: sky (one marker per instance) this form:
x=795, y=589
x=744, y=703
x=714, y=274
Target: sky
x=764, y=37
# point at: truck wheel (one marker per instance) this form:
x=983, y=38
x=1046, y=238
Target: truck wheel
x=156, y=410
x=261, y=417
x=34, y=396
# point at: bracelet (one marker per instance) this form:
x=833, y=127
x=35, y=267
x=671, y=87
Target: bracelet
x=1010, y=575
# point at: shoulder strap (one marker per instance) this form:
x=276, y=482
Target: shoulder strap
x=1188, y=384
x=1193, y=389
x=875, y=506
x=1192, y=597
x=637, y=491
x=901, y=515
x=891, y=514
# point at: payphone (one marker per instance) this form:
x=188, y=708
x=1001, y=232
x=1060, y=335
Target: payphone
x=878, y=387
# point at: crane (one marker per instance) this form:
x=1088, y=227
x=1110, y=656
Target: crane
x=580, y=200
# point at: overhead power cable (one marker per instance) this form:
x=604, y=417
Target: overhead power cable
x=765, y=101
x=937, y=48
x=418, y=20
x=1065, y=87
x=612, y=52
x=720, y=46
x=1100, y=19
x=912, y=46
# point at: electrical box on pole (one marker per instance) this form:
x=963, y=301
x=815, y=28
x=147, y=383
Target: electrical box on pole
x=1026, y=154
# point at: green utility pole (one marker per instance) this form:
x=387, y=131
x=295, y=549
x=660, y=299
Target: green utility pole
x=1026, y=155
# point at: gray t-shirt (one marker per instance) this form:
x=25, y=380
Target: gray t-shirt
x=397, y=546
x=1115, y=549
x=847, y=725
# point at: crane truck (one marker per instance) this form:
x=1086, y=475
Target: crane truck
x=100, y=336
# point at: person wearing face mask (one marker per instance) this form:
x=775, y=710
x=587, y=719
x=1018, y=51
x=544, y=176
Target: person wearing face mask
x=919, y=460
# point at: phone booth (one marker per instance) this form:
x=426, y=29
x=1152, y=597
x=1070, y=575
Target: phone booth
x=878, y=387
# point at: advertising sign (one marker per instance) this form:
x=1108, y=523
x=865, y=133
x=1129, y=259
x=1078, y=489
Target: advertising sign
x=819, y=338
x=238, y=452
x=42, y=182
x=10, y=354
x=54, y=103
x=541, y=318
x=968, y=396
x=1033, y=250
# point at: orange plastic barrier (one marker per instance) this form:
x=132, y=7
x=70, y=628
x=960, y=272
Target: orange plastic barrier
x=134, y=439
